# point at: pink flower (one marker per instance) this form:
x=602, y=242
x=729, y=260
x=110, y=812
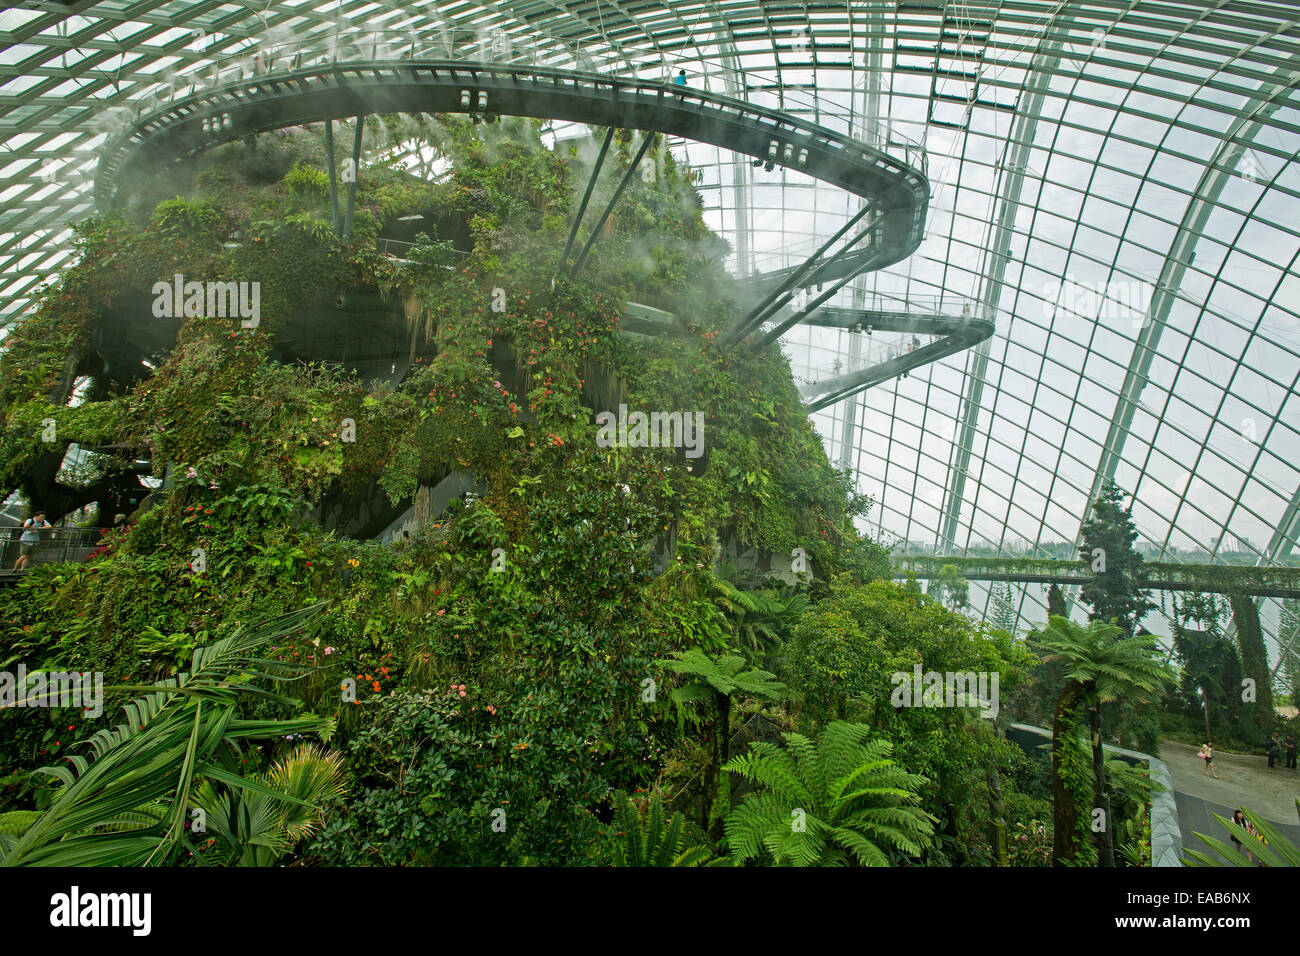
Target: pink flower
x=462, y=693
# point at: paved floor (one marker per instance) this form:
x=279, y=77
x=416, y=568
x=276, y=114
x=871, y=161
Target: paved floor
x=1244, y=780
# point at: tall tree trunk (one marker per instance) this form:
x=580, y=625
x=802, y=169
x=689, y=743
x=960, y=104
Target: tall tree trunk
x=997, y=819
x=1065, y=809
x=720, y=799
x=1105, y=846
x=997, y=808
x=710, y=778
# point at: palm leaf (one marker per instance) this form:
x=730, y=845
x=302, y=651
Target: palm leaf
x=1279, y=850
x=152, y=759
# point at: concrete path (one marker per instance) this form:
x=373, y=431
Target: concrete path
x=1244, y=780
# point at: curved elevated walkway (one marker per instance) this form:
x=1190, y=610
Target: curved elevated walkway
x=642, y=321
x=841, y=266
x=895, y=186
x=58, y=546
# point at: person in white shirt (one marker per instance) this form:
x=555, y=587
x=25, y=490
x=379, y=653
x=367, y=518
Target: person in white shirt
x=30, y=539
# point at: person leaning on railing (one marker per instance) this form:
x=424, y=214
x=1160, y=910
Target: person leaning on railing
x=30, y=539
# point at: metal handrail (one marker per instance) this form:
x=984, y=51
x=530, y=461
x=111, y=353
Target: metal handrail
x=304, y=63
x=793, y=130
x=57, y=545
x=395, y=248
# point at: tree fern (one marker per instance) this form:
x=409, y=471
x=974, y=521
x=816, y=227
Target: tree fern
x=728, y=674
x=16, y=821
x=722, y=678
x=758, y=620
x=1102, y=665
x=838, y=800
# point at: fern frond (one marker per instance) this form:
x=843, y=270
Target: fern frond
x=830, y=801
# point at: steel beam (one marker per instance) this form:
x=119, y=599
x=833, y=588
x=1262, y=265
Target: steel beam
x=785, y=325
x=618, y=194
x=330, y=162
x=586, y=197
x=1039, y=74
x=788, y=281
x=356, y=173
x=1272, y=95
x=845, y=386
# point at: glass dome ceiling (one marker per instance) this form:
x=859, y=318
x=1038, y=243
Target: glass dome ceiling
x=1113, y=182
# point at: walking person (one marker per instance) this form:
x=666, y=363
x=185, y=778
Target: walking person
x=1290, y=752
x=1207, y=754
x=30, y=539
x=1272, y=749
x=680, y=78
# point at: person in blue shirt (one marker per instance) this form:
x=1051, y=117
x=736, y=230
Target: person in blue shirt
x=30, y=538
x=680, y=78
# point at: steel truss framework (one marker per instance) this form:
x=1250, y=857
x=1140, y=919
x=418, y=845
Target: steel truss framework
x=1114, y=184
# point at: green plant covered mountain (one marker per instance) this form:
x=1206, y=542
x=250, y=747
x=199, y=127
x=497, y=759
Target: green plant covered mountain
x=403, y=434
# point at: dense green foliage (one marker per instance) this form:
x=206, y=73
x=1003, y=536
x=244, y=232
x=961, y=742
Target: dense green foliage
x=643, y=837
x=829, y=801
x=1210, y=677
x=845, y=655
x=131, y=802
x=578, y=628
x=1107, y=549
x=1101, y=665
x=1254, y=661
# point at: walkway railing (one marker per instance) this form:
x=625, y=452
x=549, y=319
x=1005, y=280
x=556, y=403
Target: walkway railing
x=400, y=248
x=57, y=545
x=759, y=87
x=226, y=110
x=944, y=335
x=1276, y=581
